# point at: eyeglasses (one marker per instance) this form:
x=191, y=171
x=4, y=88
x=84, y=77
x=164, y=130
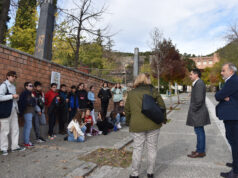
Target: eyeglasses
x=30, y=85
x=14, y=76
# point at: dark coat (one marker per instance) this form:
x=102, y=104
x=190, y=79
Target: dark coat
x=25, y=100
x=198, y=113
x=104, y=95
x=228, y=110
x=83, y=99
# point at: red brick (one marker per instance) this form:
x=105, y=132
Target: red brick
x=15, y=54
x=6, y=51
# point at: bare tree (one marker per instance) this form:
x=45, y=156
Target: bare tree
x=156, y=39
x=83, y=18
x=232, y=33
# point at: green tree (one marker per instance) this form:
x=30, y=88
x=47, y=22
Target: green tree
x=23, y=33
x=91, y=54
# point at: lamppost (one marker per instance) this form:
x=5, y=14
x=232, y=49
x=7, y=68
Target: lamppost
x=125, y=66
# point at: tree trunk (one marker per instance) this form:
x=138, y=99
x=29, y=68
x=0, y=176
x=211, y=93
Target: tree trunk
x=178, y=98
x=78, y=43
x=3, y=20
x=158, y=81
x=170, y=96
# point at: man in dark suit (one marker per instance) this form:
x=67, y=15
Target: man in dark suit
x=227, y=110
x=198, y=115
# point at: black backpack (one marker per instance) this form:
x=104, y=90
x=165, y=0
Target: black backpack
x=6, y=106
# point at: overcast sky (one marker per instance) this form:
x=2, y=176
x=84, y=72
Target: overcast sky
x=195, y=26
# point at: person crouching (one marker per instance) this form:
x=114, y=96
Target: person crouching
x=88, y=119
x=76, y=130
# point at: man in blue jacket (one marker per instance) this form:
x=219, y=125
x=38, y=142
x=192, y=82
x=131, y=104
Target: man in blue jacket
x=227, y=110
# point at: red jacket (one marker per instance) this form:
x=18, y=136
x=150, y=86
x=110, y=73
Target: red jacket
x=88, y=119
x=49, y=96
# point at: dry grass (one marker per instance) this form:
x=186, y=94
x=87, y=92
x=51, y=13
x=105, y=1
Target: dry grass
x=109, y=157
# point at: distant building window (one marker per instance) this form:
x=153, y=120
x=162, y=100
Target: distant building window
x=210, y=62
x=205, y=62
x=199, y=63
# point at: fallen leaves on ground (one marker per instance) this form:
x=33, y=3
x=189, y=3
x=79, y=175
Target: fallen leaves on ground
x=110, y=157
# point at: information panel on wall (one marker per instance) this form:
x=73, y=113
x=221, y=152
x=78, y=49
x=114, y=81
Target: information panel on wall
x=55, y=78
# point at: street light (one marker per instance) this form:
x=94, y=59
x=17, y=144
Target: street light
x=125, y=66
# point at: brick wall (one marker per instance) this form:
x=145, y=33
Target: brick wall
x=30, y=68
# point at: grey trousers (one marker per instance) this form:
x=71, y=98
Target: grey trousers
x=37, y=122
x=150, y=138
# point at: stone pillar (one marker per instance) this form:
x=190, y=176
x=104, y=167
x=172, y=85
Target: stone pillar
x=45, y=30
x=136, y=63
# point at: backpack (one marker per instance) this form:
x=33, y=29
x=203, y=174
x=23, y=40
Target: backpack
x=6, y=106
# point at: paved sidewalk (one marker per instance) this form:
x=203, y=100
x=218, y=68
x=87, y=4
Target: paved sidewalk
x=176, y=140
x=59, y=158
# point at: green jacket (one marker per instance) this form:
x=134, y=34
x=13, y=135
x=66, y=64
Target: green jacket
x=137, y=121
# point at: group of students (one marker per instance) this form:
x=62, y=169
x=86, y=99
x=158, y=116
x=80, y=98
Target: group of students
x=73, y=109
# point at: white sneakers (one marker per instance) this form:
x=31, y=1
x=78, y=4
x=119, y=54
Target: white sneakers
x=119, y=125
x=89, y=135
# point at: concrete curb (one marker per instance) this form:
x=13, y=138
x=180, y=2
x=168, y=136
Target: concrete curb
x=83, y=170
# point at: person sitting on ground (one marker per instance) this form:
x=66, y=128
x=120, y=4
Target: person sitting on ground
x=76, y=130
x=89, y=122
x=103, y=125
x=52, y=102
x=39, y=117
x=114, y=120
x=121, y=117
x=26, y=104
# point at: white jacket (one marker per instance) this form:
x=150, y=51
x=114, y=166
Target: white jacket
x=12, y=91
x=76, y=125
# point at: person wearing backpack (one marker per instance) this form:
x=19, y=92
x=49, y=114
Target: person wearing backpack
x=26, y=104
x=9, y=124
x=39, y=117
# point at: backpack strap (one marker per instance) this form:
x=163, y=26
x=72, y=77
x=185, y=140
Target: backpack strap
x=7, y=93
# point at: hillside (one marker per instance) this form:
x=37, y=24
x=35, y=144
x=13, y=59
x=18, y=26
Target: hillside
x=229, y=53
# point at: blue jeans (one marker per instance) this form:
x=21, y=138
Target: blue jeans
x=79, y=139
x=201, y=139
x=120, y=119
x=27, y=127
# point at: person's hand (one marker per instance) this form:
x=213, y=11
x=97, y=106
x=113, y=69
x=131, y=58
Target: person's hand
x=39, y=113
x=33, y=96
x=58, y=98
x=69, y=109
x=124, y=113
x=15, y=96
x=67, y=100
x=227, y=99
